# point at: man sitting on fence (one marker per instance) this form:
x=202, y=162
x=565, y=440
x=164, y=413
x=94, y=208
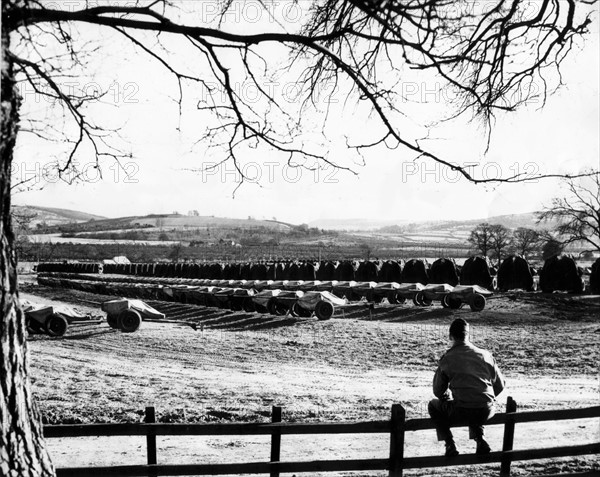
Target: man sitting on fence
x=471, y=376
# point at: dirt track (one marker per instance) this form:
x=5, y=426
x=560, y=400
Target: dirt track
x=351, y=367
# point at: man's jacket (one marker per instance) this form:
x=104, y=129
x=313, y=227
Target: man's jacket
x=471, y=374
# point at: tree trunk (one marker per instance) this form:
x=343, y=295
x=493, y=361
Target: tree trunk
x=22, y=450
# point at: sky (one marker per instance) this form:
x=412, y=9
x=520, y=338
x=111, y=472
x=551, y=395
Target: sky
x=165, y=174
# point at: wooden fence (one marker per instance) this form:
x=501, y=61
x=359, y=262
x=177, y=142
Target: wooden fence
x=396, y=427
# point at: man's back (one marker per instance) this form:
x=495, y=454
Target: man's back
x=471, y=374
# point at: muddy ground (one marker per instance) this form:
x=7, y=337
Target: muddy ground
x=235, y=366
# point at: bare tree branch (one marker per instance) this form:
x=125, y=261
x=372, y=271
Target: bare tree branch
x=577, y=214
x=490, y=57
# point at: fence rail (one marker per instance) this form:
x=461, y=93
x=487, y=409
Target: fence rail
x=397, y=427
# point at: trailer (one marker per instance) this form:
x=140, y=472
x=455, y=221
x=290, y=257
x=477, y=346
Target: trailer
x=261, y=299
x=321, y=303
x=473, y=295
x=53, y=320
x=127, y=315
x=409, y=291
x=282, y=303
x=235, y=299
x=432, y=292
x=388, y=290
x=343, y=289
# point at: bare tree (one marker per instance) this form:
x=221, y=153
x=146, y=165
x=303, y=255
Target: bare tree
x=481, y=238
x=22, y=219
x=489, y=57
x=526, y=241
x=500, y=240
x=486, y=238
x=577, y=213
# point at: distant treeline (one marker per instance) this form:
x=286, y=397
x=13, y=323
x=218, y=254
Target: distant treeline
x=218, y=252
x=255, y=235
x=91, y=226
x=126, y=235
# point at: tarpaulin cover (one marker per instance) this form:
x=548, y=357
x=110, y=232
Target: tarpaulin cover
x=40, y=312
x=262, y=284
x=243, y=292
x=289, y=296
x=114, y=307
x=37, y=312
x=179, y=290
x=68, y=312
x=469, y=289
x=200, y=292
x=439, y=287
x=225, y=292
x=205, y=290
x=167, y=291
x=342, y=285
x=292, y=284
x=388, y=286
x=262, y=298
x=363, y=286
x=310, y=299
x=411, y=287
x=326, y=285
x=308, y=283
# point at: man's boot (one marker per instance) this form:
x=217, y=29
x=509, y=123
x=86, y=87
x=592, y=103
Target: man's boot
x=482, y=447
x=451, y=450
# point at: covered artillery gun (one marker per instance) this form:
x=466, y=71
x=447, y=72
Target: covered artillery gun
x=321, y=303
x=298, y=303
x=453, y=297
x=127, y=315
x=53, y=320
x=449, y=296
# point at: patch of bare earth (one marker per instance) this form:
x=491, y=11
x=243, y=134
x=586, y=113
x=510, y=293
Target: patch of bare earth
x=353, y=367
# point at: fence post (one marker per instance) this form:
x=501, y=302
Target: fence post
x=397, y=440
x=509, y=435
x=275, y=441
x=151, y=439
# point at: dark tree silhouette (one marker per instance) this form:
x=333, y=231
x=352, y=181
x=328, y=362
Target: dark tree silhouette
x=481, y=238
x=526, y=241
x=501, y=238
x=486, y=238
x=489, y=56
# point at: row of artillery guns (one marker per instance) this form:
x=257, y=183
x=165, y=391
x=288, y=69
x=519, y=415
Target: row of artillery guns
x=55, y=319
x=301, y=298
x=559, y=273
x=296, y=297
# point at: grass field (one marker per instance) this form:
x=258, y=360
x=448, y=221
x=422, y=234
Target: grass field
x=352, y=367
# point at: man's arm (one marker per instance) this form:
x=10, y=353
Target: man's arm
x=440, y=383
x=498, y=382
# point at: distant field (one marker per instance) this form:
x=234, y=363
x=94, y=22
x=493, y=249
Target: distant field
x=188, y=237
x=193, y=221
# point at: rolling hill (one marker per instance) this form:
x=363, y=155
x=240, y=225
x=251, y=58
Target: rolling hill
x=51, y=216
x=511, y=221
x=81, y=222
